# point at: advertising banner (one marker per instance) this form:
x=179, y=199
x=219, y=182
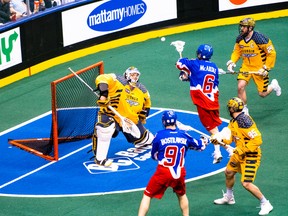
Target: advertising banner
x=10, y=49
x=236, y=4
x=108, y=16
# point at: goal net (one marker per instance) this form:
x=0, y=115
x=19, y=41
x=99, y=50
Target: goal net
x=74, y=113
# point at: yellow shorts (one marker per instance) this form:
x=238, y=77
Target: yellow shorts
x=260, y=81
x=246, y=165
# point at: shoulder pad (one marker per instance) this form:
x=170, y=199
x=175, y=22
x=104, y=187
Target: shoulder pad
x=141, y=87
x=244, y=121
x=122, y=80
x=260, y=38
x=239, y=38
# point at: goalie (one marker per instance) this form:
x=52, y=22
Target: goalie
x=132, y=100
x=247, y=155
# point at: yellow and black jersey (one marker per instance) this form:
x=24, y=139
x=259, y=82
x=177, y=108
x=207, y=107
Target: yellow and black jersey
x=255, y=52
x=244, y=133
x=126, y=100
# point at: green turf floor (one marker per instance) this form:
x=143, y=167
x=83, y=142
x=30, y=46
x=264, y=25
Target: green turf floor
x=30, y=97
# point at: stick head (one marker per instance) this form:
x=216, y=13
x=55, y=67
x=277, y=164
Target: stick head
x=179, y=45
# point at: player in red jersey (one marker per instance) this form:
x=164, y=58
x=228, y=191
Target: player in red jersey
x=204, y=79
x=169, y=148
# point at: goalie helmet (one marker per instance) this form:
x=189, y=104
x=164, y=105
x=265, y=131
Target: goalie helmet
x=204, y=51
x=236, y=104
x=169, y=118
x=128, y=75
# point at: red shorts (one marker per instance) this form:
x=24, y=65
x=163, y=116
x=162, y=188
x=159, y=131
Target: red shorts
x=209, y=118
x=162, y=179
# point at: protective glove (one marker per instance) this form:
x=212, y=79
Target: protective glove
x=264, y=71
x=183, y=76
x=142, y=116
x=230, y=66
x=216, y=138
x=205, y=142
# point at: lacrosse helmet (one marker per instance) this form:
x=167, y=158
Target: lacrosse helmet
x=128, y=75
x=235, y=104
x=249, y=23
x=169, y=118
x=204, y=51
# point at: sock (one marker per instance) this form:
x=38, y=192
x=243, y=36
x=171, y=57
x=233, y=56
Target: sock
x=229, y=192
x=263, y=199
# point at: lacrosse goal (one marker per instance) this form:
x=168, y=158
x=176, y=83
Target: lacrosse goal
x=74, y=114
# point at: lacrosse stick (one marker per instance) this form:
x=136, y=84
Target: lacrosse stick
x=127, y=125
x=179, y=45
x=221, y=71
x=184, y=127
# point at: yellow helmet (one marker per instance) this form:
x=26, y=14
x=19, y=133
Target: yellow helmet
x=236, y=104
x=248, y=22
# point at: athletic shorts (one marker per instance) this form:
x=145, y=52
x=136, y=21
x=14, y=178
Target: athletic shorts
x=162, y=179
x=246, y=165
x=260, y=81
x=209, y=118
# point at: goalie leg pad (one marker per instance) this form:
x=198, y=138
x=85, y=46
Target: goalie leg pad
x=101, y=139
x=145, y=139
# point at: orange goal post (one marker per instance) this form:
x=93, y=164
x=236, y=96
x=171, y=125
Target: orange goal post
x=73, y=117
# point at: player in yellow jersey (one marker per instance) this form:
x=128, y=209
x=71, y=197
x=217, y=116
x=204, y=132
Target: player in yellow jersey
x=258, y=55
x=131, y=99
x=247, y=154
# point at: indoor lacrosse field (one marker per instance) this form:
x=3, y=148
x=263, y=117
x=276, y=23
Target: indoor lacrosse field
x=32, y=186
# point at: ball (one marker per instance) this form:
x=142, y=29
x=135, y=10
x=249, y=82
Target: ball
x=163, y=39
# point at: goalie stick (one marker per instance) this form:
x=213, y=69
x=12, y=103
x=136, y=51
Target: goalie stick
x=221, y=71
x=179, y=45
x=127, y=125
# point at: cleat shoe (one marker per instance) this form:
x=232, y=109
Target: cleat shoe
x=266, y=208
x=230, y=150
x=225, y=200
x=105, y=162
x=217, y=157
x=245, y=110
x=276, y=87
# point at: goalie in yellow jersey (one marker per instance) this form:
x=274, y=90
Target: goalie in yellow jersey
x=258, y=55
x=247, y=154
x=131, y=100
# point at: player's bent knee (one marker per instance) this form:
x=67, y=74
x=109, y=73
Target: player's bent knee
x=146, y=138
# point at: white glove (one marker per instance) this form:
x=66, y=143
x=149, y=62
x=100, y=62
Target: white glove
x=264, y=71
x=216, y=138
x=230, y=66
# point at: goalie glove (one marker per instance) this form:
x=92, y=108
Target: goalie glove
x=264, y=71
x=230, y=66
x=183, y=76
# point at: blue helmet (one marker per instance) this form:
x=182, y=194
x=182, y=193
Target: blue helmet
x=205, y=51
x=169, y=118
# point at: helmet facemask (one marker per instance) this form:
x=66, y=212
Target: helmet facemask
x=132, y=74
